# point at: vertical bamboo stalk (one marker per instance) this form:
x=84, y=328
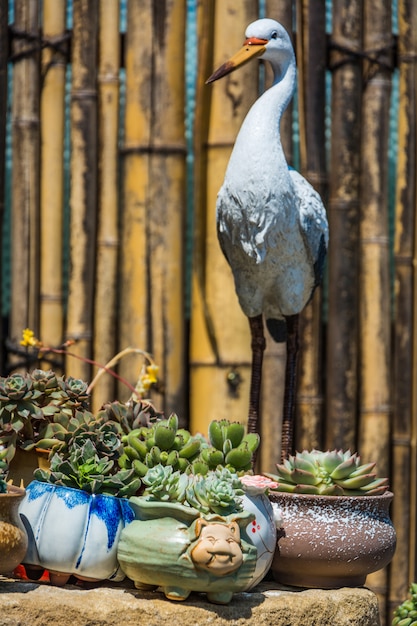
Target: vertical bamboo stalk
x=342, y=332
x=52, y=175
x=83, y=193
x=311, y=59
x=219, y=343
x=374, y=279
x=410, y=18
x=4, y=51
x=154, y=188
x=273, y=372
x=166, y=210
x=25, y=172
x=105, y=304
x=402, y=569
x=133, y=315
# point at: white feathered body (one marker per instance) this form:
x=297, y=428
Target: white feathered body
x=272, y=225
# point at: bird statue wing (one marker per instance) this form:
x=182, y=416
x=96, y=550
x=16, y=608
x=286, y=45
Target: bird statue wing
x=313, y=222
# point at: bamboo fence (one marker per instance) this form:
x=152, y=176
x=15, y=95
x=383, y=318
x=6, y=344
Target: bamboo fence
x=125, y=208
x=52, y=113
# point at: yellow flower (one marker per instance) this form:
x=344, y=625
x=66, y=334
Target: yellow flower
x=29, y=339
x=152, y=371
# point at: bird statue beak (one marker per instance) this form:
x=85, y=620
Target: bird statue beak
x=252, y=47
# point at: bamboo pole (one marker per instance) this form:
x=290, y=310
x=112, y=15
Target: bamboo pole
x=219, y=343
x=403, y=484
x=25, y=171
x=105, y=303
x=83, y=193
x=311, y=58
x=4, y=52
x=154, y=192
x=374, y=279
x=166, y=205
x=342, y=332
x=52, y=175
x=273, y=371
x=133, y=315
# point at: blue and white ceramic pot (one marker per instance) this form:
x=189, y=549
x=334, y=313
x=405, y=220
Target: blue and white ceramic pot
x=72, y=532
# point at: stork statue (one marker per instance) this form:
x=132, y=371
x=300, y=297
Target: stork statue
x=271, y=223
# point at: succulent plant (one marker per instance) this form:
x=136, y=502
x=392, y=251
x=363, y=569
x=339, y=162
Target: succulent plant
x=228, y=446
x=334, y=473
x=132, y=415
x=66, y=431
x=84, y=467
x=219, y=491
x=71, y=395
x=163, y=443
x=18, y=401
x=30, y=402
x=406, y=613
x=46, y=382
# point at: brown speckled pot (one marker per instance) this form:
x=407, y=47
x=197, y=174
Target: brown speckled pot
x=13, y=537
x=332, y=541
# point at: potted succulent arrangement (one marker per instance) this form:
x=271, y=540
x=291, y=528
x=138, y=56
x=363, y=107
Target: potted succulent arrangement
x=36, y=406
x=29, y=403
x=13, y=538
x=74, y=511
x=97, y=462
x=336, y=527
x=187, y=478
x=189, y=535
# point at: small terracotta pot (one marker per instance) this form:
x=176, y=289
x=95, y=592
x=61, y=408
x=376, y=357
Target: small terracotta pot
x=13, y=537
x=332, y=541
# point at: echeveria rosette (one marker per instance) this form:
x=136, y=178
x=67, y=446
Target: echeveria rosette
x=82, y=467
x=163, y=484
x=332, y=473
x=46, y=382
x=74, y=393
x=132, y=415
x=217, y=491
x=159, y=480
x=18, y=402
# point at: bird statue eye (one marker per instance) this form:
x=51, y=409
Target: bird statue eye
x=274, y=35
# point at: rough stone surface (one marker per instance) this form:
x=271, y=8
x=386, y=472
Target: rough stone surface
x=34, y=604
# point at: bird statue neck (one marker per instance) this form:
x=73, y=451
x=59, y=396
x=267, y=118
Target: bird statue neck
x=259, y=137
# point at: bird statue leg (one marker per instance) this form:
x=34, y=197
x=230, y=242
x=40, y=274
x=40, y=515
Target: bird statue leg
x=290, y=386
x=258, y=347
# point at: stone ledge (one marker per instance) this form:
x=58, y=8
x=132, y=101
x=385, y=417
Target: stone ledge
x=269, y=604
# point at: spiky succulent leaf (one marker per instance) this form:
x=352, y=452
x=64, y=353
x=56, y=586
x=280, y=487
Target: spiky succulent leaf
x=303, y=477
x=332, y=460
x=235, y=432
x=252, y=440
x=216, y=434
x=164, y=436
x=344, y=469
